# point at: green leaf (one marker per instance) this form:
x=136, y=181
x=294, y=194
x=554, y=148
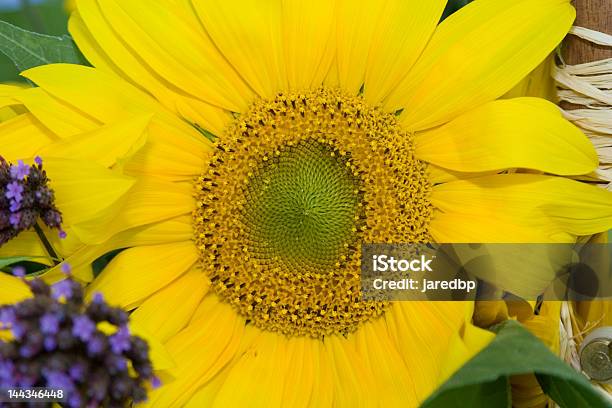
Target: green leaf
x=484, y=380
x=28, y=49
x=7, y=261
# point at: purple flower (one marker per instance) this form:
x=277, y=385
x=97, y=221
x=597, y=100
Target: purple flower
x=75, y=401
x=15, y=219
x=120, y=341
x=62, y=289
x=14, y=190
x=20, y=170
x=95, y=345
x=86, y=363
x=97, y=298
x=18, y=330
x=62, y=234
x=83, y=327
x=26, y=199
x=7, y=370
x=50, y=343
x=121, y=363
x=57, y=379
x=49, y=323
x=14, y=206
x=26, y=381
x=66, y=268
x=7, y=316
x=156, y=382
x=77, y=371
x=27, y=351
x=19, y=271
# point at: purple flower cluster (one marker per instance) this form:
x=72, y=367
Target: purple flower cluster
x=57, y=344
x=25, y=197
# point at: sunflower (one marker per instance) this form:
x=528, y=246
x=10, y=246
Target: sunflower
x=267, y=141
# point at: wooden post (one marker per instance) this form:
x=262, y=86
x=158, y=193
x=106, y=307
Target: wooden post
x=596, y=15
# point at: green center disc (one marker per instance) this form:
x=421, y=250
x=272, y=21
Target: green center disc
x=302, y=206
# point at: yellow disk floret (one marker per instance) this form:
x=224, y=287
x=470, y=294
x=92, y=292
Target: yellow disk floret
x=295, y=186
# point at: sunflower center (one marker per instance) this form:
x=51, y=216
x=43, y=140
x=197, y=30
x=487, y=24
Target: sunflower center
x=302, y=205
x=296, y=184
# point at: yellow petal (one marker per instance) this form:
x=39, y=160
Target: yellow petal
x=170, y=153
x=205, y=396
x=249, y=35
x=60, y=118
x=149, y=201
x=200, y=351
x=178, y=229
x=174, y=146
x=106, y=145
x=554, y=204
x=401, y=33
x=84, y=189
x=455, y=227
x=184, y=294
x=88, y=45
x=101, y=95
x=257, y=379
x=356, y=26
x=108, y=52
x=174, y=45
x=353, y=383
x=301, y=369
x=478, y=54
x=427, y=327
x=307, y=41
x=463, y=346
x=398, y=387
x=22, y=136
x=139, y=272
x=26, y=243
x=105, y=97
x=538, y=83
x=439, y=175
x=507, y=134
x=12, y=289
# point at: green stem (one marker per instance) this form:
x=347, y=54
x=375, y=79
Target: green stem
x=54, y=257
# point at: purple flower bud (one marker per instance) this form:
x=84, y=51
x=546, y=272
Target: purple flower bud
x=20, y=170
x=38, y=160
x=62, y=289
x=50, y=343
x=75, y=401
x=18, y=330
x=14, y=206
x=62, y=234
x=25, y=199
x=49, y=323
x=83, y=327
x=15, y=219
x=97, y=298
x=95, y=345
x=7, y=370
x=120, y=341
x=56, y=344
x=77, y=371
x=66, y=268
x=14, y=190
x=19, y=271
x=156, y=382
x=57, y=379
x=7, y=316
